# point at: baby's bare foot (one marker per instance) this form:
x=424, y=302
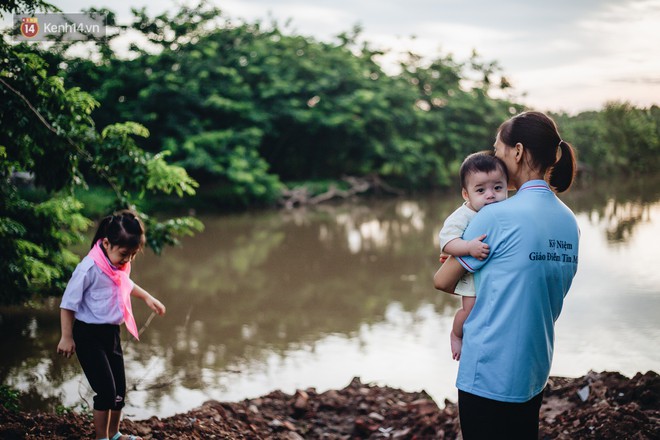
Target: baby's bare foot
x=456, y=345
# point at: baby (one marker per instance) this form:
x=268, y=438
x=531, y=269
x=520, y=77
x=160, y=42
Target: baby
x=483, y=181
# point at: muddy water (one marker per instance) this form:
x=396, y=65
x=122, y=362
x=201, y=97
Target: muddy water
x=313, y=297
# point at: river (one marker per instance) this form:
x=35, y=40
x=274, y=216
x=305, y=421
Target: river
x=315, y=296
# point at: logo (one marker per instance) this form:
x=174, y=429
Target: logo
x=59, y=27
x=29, y=27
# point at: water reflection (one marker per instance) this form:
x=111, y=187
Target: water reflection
x=621, y=219
x=316, y=296
x=618, y=205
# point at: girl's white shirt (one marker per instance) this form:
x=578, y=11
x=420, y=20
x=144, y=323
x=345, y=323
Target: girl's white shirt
x=92, y=295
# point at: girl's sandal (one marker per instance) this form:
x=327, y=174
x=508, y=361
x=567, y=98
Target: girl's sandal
x=120, y=435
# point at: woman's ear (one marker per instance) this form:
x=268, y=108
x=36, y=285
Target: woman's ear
x=520, y=150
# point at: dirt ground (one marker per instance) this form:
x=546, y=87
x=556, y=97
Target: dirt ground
x=600, y=406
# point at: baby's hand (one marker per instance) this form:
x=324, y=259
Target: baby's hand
x=479, y=249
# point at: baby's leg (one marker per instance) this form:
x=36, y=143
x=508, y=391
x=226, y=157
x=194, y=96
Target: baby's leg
x=456, y=336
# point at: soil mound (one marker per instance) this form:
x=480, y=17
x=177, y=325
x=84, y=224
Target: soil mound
x=600, y=406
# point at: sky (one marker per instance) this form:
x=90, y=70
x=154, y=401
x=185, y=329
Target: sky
x=562, y=55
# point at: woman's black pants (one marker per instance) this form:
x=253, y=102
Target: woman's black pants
x=483, y=418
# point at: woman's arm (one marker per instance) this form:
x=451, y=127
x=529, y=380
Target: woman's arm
x=447, y=276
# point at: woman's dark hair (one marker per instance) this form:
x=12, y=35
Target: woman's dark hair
x=482, y=161
x=123, y=229
x=539, y=135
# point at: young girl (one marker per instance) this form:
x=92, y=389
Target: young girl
x=95, y=303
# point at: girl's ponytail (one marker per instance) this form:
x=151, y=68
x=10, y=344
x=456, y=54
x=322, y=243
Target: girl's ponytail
x=563, y=171
x=101, y=231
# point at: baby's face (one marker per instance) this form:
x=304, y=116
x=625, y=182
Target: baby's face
x=484, y=188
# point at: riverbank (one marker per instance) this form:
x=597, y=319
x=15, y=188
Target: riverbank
x=601, y=406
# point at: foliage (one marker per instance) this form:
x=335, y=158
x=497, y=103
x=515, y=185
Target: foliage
x=79, y=408
x=231, y=156
x=9, y=398
x=634, y=133
x=240, y=108
x=246, y=105
x=620, y=138
x=50, y=140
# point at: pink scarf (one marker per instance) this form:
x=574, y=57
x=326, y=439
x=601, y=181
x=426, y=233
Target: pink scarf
x=123, y=282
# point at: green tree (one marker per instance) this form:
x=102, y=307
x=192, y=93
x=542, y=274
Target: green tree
x=633, y=133
x=49, y=135
x=245, y=105
x=620, y=138
x=200, y=109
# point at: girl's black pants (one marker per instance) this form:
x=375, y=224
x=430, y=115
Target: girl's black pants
x=99, y=352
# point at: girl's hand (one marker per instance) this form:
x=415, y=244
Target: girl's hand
x=66, y=347
x=155, y=305
x=151, y=302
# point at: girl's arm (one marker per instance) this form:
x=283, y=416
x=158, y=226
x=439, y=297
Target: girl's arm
x=67, y=346
x=447, y=276
x=145, y=296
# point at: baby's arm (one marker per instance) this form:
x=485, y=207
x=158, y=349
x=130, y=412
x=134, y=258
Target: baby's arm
x=145, y=296
x=67, y=346
x=475, y=247
x=456, y=336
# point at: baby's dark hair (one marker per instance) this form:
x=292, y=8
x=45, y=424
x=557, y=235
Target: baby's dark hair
x=482, y=161
x=123, y=229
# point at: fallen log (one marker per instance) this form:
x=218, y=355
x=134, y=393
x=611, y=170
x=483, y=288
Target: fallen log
x=302, y=196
